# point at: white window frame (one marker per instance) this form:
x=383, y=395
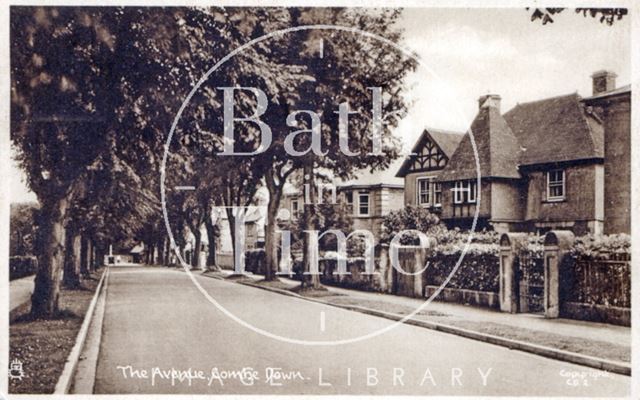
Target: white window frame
x=562, y=183
x=438, y=185
x=429, y=181
x=457, y=192
x=470, y=187
x=472, y=192
x=360, y=213
x=294, y=208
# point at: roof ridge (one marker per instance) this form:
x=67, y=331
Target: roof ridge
x=546, y=99
x=432, y=128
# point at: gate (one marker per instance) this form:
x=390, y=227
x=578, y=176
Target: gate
x=530, y=278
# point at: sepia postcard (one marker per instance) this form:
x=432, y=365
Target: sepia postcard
x=382, y=198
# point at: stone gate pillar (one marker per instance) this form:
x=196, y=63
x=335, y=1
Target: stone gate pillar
x=510, y=244
x=556, y=245
x=386, y=278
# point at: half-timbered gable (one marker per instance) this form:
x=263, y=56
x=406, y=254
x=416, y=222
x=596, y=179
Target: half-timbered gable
x=428, y=157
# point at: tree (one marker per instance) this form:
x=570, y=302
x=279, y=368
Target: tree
x=72, y=80
x=334, y=79
x=23, y=228
x=605, y=15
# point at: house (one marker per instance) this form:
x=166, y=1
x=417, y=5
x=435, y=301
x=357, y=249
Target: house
x=541, y=166
x=429, y=156
x=137, y=253
x=373, y=195
x=254, y=222
x=370, y=196
x=613, y=105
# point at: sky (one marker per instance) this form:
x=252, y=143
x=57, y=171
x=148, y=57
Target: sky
x=467, y=53
x=471, y=52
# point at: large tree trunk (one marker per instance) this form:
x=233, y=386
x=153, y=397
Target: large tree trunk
x=71, y=274
x=160, y=251
x=270, y=237
x=51, y=232
x=212, y=237
x=152, y=254
x=271, y=243
x=84, y=257
x=195, y=262
x=166, y=250
x=232, y=229
x=309, y=218
x=98, y=257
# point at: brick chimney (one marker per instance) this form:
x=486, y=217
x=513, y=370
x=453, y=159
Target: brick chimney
x=603, y=81
x=489, y=100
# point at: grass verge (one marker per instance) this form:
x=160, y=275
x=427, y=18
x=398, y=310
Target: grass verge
x=44, y=345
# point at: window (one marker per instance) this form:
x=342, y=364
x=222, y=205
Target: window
x=555, y=185
x=349, y=198
x=429, y=192
x=472, y=191
x=465, y=192
x=437, y=194
x=363, y=203
x=424, y=191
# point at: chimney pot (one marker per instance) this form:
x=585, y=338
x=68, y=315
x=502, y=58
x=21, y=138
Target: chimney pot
x=489, y=100
x=603, y=81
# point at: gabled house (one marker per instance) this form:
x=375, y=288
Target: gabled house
x=429, y=156
x=541, y=164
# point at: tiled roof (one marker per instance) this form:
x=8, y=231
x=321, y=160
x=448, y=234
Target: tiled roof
x=555, y=129
x=365, y=177
x=447, y=141
x=496, y=145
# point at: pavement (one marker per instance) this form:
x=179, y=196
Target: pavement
x=20, y=291
x=619, y=335
x=161, y=334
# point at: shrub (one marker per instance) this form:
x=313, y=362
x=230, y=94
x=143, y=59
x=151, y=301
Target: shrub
x=21, y=266
x=410, y=217
x=597, y=271
x=455, y=241
x=255, y=261
x=601, y=246
x=477, y=271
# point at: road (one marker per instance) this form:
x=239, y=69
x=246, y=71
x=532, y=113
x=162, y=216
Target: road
x=157, y=325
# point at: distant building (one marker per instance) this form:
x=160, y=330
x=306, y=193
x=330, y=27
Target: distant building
x=370, y=196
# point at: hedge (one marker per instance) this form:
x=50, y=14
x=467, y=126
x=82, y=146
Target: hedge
x=21, y=266
x=477, y=271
